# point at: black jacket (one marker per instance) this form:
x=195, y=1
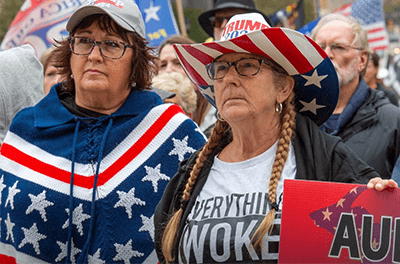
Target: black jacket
x=319, y=156
x=373, y=133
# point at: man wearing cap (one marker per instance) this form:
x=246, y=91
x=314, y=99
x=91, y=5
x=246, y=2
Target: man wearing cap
x=364, y=118
x=213, y=21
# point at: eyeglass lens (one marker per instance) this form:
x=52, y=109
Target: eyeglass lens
x=245, y=67
x=108, y=48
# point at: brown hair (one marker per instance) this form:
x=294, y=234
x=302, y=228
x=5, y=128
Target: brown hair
x=222, y=129
x=202, y=104
x=143, y=63
x=47, y=58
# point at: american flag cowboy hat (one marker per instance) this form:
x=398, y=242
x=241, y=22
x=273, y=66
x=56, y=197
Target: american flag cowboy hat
x=317, y=85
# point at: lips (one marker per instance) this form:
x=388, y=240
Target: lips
x=93, y=71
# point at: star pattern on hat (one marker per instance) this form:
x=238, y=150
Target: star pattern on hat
x=32, y=236
x=151, y=12
x=148, y=225
x=181, y=148
x=314, y=79
x=311, y=106
x=12, y=191
x=125, y=252
x=154, y=175
x=39, y=203
x=209, y=92
x=77, y=218
x=128, y=200
x=64, y=250
x=2, y=186
x=95, y=259
x=10, y=225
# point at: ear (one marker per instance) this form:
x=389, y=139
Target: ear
x=364, y=55
x=286, y=90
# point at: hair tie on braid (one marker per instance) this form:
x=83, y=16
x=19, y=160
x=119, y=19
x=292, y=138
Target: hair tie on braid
x=275, y=206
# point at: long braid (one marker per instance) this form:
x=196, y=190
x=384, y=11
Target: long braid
x=288, y=124
x=170, y=232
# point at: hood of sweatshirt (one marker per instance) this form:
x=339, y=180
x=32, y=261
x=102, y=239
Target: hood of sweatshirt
x=21, y=83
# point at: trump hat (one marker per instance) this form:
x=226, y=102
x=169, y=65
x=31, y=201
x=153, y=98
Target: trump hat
x=317, y=85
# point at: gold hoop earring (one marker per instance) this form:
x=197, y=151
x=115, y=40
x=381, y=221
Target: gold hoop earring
x=219, y=117
x=278, y=108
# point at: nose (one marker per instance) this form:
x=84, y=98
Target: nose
x=95, y=54
x=328, y=51
x=169, y=68
x=224, y=22
x=232, y=76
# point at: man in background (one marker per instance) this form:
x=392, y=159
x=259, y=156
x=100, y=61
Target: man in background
x=213, y=21
x=364, y=118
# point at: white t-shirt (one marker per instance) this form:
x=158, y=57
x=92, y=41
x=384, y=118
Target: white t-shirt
x=228, y=210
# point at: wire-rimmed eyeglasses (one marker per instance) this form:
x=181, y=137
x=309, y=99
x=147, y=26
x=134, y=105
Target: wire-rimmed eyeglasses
x=245, y=67
x=339, y=48
x=108, y=48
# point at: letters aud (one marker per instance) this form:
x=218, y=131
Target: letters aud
x=346, y=237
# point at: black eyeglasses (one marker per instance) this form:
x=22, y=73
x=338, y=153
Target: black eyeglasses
x=108, y=48
x=339, y=48
x=217, y=21
x=245, y=67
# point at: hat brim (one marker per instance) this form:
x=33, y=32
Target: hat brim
x=86, y=11
x=317, y=86
x=204, y=18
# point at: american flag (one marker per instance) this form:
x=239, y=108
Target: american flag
x=371, y=13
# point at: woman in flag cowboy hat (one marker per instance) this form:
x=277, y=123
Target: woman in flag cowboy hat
x=272, y=88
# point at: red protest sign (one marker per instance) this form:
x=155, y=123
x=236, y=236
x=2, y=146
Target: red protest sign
x=325, y=222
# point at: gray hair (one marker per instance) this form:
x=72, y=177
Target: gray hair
x=360, y=35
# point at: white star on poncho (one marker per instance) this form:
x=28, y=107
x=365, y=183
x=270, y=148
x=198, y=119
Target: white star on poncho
x=125, y=252
x=127, y=200
x=10, y=225
x=154, y=175
x=77, y=218
x=148, y=225
x=39, y=203
x=64, y=251
x=314, y=79
x=311, y=106
x=2, y=186
x=181, y=148
x=151, y=12
x=12, y=191
x=32, y=236
x=95, y=259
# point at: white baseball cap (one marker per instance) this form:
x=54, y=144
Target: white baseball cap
x=124, y=12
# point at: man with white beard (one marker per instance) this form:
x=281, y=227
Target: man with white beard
x=364, y=118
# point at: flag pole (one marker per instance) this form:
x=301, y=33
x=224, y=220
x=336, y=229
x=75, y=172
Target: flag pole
x=181, y=18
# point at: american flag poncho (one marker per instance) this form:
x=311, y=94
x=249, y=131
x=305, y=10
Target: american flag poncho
x=127, y=157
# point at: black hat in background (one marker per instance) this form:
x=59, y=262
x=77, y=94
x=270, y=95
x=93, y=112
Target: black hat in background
x=248, y=5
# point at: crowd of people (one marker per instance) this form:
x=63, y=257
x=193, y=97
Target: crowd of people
x=111, y=149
